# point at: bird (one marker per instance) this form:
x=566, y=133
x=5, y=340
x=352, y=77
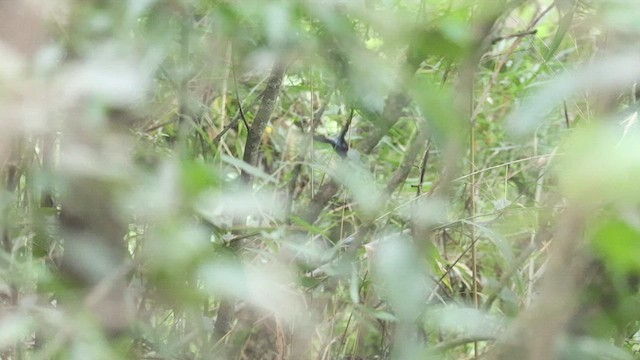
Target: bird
x=339, y=144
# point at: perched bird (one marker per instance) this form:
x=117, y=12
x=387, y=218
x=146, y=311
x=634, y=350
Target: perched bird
x=339, y=144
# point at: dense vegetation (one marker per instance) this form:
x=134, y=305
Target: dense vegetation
x=175, y=184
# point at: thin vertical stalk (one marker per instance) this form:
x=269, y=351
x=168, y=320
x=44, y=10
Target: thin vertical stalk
x=531, y=269
x=472, y=229
x=313, y=128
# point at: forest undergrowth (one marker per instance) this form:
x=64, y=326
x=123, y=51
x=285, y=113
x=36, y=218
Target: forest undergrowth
x=210, y=179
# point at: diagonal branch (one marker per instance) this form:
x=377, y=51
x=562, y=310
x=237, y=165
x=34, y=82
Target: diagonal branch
x=261, y=120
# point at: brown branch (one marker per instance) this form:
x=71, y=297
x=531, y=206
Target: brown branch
x=261, y=120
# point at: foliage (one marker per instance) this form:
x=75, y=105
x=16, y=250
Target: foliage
x=170, y=190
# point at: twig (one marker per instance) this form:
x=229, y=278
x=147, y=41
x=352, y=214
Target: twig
x=423, y=167
x=237, y=118
x=411, y=154
x=161, y=125
x=462, y=341
x=235, y=84
x=516, y=35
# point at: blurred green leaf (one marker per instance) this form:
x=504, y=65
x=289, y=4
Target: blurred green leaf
x=14, y=328
x=466, y=322
x=600, y=164
x=198, y=177
x=401, y=276
x=354, y=286
x=618, y=243
x=437, y=105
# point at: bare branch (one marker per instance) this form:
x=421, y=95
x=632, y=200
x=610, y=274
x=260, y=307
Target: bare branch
x=261, y=120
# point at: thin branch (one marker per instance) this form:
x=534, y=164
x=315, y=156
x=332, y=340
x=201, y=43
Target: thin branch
x=397, y=178
x=462, y=341
x=235, y=120
x=161, y=125
x=411, y=154
x=346, y=126
x=472, y=210
x=235, y=84
x=423, y=167
x=511, y=36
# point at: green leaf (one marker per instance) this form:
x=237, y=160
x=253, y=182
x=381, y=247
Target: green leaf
x=618, y=243
x=436, y=103
x=563, y=28
x=197, y=177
